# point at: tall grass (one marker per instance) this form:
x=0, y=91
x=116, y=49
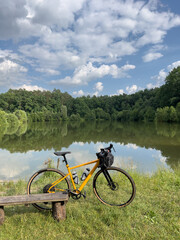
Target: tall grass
x=154, y=214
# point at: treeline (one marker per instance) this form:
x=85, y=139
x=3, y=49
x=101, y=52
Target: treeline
x=48, y=115
x=161, y=104
x=39, y=106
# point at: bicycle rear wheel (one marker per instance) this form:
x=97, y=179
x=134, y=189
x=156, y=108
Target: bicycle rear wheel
x=114, y=187
x=41, y=181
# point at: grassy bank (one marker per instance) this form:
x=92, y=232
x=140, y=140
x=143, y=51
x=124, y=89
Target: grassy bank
x=154, y=214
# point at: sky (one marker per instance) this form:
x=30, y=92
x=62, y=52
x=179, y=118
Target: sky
x=88, y=47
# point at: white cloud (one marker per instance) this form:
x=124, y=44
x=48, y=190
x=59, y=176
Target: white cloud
x=86, y=73
x=48, y=71
x=31, y=88
x=160, y=78
x=99, y=86
x=10, y=12
x=78, y=93
x=154, y=25
x=120, y=92
x=8, y=66
x=173, y=65
x=106, y=20
x=131, y=89
x=162, y=75
x=9, y=55
x=151, y=56
x=78, y=35
x=11, y=73
x=128, y=67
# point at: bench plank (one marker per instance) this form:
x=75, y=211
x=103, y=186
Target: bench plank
x=33, y=198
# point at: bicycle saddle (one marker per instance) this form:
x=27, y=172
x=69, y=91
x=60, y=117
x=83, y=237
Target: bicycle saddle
x=61, y=153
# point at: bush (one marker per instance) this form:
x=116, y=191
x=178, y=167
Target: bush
x=166, y=114
x=178, y=111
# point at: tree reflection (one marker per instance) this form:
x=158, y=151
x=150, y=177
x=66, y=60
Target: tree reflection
x=45, y=136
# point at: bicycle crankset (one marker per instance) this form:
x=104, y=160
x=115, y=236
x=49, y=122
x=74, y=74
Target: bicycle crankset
x=76, y=194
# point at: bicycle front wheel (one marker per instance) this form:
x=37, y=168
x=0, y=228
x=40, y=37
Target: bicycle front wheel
x=114, y=187
x=41, y=182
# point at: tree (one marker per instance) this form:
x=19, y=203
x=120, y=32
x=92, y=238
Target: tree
x=149, y=114
x=178, y=111
x=159, y=115
x=169, y=93
x=90, y=115
x=166, y=114
x=64, y=112
x=101, y=114
x=172, y=114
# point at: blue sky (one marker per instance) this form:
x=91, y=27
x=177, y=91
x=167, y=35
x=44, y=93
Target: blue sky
x=103, y=47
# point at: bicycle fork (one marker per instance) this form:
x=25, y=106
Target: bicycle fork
x=109, y=179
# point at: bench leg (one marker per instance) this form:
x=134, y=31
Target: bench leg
x=59, y=210
x=1, y=215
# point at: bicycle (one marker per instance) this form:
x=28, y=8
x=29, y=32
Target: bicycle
x=112, y=185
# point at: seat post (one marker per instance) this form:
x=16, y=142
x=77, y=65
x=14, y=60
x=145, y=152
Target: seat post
x=65, y=160
x=63, y=154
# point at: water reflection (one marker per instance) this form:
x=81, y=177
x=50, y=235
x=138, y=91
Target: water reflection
x=140, y=146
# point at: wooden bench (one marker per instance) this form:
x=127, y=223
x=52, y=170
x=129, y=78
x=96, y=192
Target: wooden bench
x=58, y=200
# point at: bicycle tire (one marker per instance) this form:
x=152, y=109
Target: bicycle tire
x=120, y=194
x=42, y=178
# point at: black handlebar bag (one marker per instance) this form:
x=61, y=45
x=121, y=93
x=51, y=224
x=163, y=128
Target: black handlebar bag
x=106, y=159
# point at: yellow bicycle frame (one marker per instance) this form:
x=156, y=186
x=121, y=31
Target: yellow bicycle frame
x=71, y=177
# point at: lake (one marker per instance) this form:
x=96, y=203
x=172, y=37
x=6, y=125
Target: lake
x=139, y=146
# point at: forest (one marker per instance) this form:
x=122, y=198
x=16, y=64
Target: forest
x=160, y=104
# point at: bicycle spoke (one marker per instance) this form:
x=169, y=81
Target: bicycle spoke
x=42, y=183
x=114, y=187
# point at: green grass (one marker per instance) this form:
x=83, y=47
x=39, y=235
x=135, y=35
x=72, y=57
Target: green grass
x=154, y=214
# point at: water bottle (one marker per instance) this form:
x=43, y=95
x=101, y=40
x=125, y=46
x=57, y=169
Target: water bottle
x=85, y=174
x=75, y=177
